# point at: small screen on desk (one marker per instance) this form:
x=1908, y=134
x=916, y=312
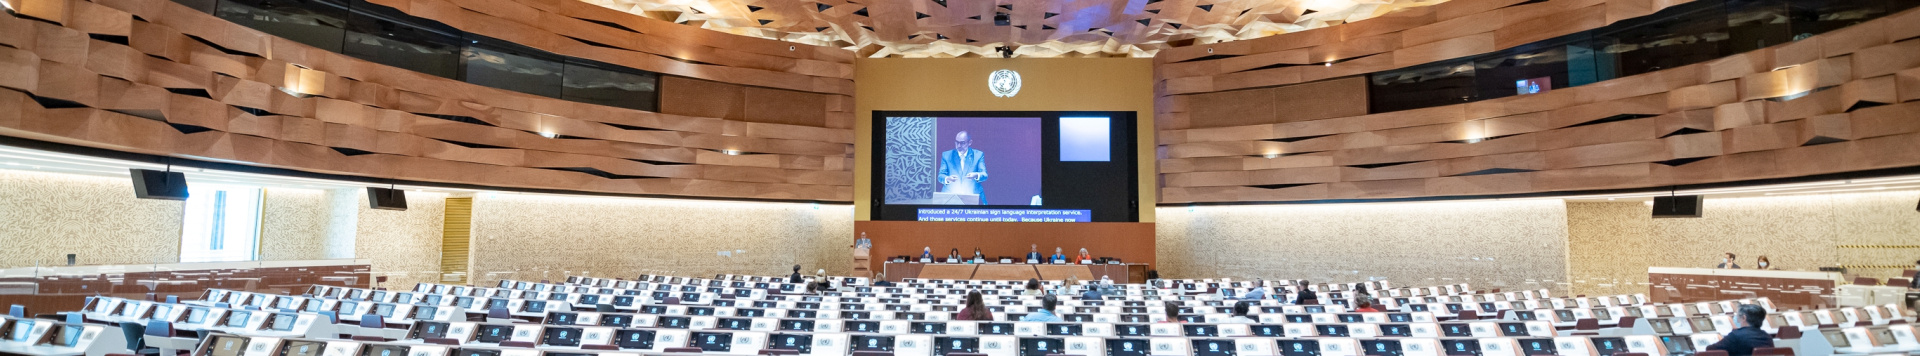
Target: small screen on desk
x=633, y=339
x=800, y=342
x=196, y=315
x=1299, y=348
x=712, y=342
x=568, y=337
x=1383, y=347
x=1607, y=346
x=616, y=320
x=384, y=350
x=226, y=345
x=20, y=330
x=1461, y=347
x=429, y=330
x=1213, y=347
x=282, y=322
x=493, y=334
x=1399, y=330
x=383, y=310
x=302, y=348
x=237, y=318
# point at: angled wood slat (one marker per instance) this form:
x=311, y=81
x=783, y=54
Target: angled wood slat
x=189, y=84
x=1837, y=102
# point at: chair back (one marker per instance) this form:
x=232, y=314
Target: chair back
x=1772, y=351
x=1788, y=332
x=17, y=311
x=1468, y=315
x=1866, y=281
x=159, y=328
x=373, y=321
x=695, y=350
x=447, y=341
x=671, y=301
x=603, y=308
x=1587, y=324
x=600, y=347
x=1711, y=353
x=499, y=313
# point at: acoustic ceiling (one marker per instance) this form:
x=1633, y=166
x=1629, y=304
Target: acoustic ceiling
x=1035, y=28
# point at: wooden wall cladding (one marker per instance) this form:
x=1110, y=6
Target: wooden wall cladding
x=152, y=76
x=1837, y=102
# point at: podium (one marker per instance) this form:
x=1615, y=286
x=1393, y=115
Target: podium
x=862, y=259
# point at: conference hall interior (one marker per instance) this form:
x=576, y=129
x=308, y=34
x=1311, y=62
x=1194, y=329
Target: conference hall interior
x=959, y=177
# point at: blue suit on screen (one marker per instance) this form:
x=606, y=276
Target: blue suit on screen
x=951, y=164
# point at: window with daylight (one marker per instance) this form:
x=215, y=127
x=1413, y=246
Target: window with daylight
x=222, y=223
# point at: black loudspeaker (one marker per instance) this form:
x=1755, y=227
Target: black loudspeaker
x=1683, y=206
x=387, y=199
x=152, y=184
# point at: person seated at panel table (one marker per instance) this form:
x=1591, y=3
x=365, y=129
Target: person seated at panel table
x=1764, y=264
x=926, y=254
x=1084, y=257
x=1258, y=292
x=979, y=257
x=1742, y=341
x=1728, y=263
x=953, y=256
x=1058, y=258
x=1033, y=256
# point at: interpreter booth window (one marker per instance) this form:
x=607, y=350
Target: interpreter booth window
x=222, y=223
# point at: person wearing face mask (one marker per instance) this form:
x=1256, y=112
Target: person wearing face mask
x=1764, y=264
x=1742, y=341
x=1727, y=262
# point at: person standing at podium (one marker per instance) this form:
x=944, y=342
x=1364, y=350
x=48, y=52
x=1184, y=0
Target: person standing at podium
x=963, y=169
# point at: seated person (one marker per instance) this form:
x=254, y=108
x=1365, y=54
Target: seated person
x=1033, y=256
x=1306, y=296
x=1045, y=314
x=926, y=254
x=1084, y=257
x=1240, y=313
x=978, y=257
x=1742, y=341
x=1364, y=304
x=953, y=256
x=1058, y=258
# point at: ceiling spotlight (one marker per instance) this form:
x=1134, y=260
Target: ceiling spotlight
x=548, y=134
x=1272, y=155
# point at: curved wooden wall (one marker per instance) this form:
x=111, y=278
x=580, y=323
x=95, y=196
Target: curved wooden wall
x=786, y=106
x=1718, y=121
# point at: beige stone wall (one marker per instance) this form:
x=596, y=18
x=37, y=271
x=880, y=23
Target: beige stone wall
x=534, y=237
x=1502, y=244
x=1613, y=243
x=404, y=245
x=45, y=216
x=289, y=228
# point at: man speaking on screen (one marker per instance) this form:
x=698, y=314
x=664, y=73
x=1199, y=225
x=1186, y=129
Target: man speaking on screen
x=963, y=168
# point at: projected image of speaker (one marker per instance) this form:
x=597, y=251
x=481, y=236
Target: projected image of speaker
x=1683, y=206
x=152, y=184
x=387, y=199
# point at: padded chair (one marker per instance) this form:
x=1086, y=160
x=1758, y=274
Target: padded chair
x=600, y=347
x=173, y=299
x=872, y=353
x=17, y=311
x=603, y=308
x=500, y=315
x=1862, y=323
x=1631, y=354
x=1772, y=351
x=695, y=350
x=368, y=338
x=1711, y=353
x=671, y=301
x=1899, y=282
x=447, y=341
x=1627, y=322
x=783, y=352
x=160, y=335
x=1866, y=281
x=372, y=325
x=1788, y=332
x=1467, y=315
x=1586, y=327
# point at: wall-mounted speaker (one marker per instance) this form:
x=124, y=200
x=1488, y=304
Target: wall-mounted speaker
x=387, y=199
x=152, y=184
x=1683, y=206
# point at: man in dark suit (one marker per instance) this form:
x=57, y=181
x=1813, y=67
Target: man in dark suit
x=1306, y=296
x=1728, y=263
x=1033, y=256
x=1742, y=341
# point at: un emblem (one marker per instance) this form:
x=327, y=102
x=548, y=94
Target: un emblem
x=1004, y=83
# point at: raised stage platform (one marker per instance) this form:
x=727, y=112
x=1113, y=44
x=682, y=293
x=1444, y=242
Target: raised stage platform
x=1121, y=273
